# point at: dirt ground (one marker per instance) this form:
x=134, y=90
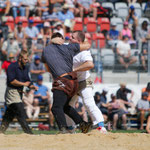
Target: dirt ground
x=91, y=141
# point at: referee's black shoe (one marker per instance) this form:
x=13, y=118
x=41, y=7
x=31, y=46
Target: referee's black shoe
x=85, y=126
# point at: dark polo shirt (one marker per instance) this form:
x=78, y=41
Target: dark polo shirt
x=15, y=72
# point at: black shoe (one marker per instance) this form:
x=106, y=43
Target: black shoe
x=85, y=126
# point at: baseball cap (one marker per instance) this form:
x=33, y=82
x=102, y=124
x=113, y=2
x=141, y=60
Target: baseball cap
x=30, y=21
x=40, y=77
x=67, y=38
x=11, y=35
x=65, y=6
x=36, y=57
x=145, y=94
x=57, y=24
x=113, y=23
x=46, y=24
x=132, y=7
x=125, y=23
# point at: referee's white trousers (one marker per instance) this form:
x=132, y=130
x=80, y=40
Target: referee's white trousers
x=89, y=103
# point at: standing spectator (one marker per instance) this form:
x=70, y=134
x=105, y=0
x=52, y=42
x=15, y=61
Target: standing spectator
x=86, y=8
x=36, y=68
x=5, y=5
x=6, y=63
x=113, y=36
x=31, y=31
x=17, y=5
x=10, y=46
x=143, y=107
x=32, y=109
x=122, y=93
x=124, y=53
x=43, y=6
x=142, y=33
x=116, y=112
x=19, y=33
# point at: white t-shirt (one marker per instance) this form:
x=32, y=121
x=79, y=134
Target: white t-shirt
x=78, y=60
x=123, y=47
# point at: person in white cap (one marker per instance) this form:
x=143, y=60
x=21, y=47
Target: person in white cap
x=82, y=63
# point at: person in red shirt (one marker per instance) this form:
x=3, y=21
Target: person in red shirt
x=6, y=63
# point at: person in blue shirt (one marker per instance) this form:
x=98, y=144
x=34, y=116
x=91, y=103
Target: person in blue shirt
x=113, y=36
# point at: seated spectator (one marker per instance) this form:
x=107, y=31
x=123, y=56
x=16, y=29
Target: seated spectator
x=31, y=105
x=46, y=32
x=101, y=105
x=5, y=5
x=58, y=27
x=113, y=36
x=71, y=4
x=6, y=63
x=116, y=112
x=122, y=93
x=39, y=46
x=147, y=9
x=4, y=29
x=36, y=68
x=43, y=6
x=56, y=4
x=124, y=53
x=127, y=32
x=19, y=33
x=147, y=89
x=17, y=5
x=31, y=7
x=143, y=107
x=31, y=31
x=10, y=46
x=142, y=33
x=86, y=8
x=81, y=110
x=66, y=16
x=132, y=18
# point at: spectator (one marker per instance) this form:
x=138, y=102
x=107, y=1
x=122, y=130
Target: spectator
x=31, y=31
x=19, y=33
x=6, y=63
x=116, y=112
x=43, y=6
x=122, y=94
x=17, y=5
x=31, y=7
x=86, y=8
x=147, y=89
x=143, y=107
x=32, y=109
x=5, y=5
x=124, y=53
x=10, y=46
x=46, y=32
x=39, y=46
x=113, y=36
x=36, y=68
x=58, y=27
x=101, y=105
x=142, y=33
x=81, y=110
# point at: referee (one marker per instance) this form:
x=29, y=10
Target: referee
x=17, y=78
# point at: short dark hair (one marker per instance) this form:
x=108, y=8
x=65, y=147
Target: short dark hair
x=81, y=35
x=56, y=34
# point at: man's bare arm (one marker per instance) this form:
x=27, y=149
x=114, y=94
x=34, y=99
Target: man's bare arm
x=85, y=66
x=18, y=83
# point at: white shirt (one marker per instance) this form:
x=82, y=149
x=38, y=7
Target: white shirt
x=78, y=60
x=123, y=47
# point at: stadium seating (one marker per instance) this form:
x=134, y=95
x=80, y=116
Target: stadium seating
x=104, y=24
x=120, y=5
x=24, y=20
x=90, y=24
x=99, y=38
x=143, y=6
x=36, y=20
x=119, y=23
x=10, y=22
x=78, y=24
x=108, y=58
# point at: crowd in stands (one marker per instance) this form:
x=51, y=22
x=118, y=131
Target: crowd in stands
x=28, y=25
